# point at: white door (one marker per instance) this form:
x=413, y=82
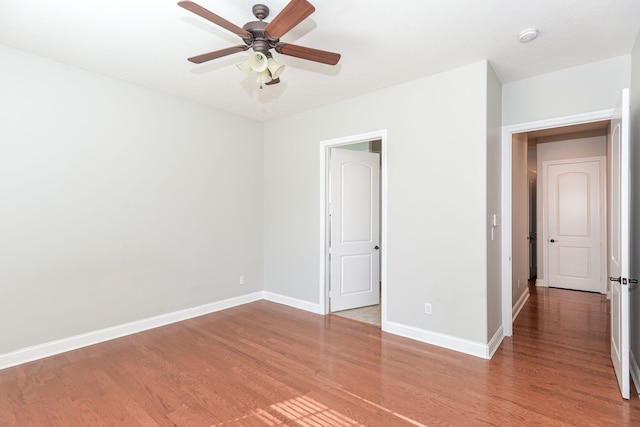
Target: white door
x=354, y=197
x=619, y=244
x=574, y=230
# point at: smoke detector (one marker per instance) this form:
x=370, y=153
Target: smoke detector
x=528, y=35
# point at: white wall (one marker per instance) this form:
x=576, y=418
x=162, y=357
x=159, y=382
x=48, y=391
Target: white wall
x=519, y=218
x=583, y=89
x=117, y=203
x=560, y=150
x=437, y=201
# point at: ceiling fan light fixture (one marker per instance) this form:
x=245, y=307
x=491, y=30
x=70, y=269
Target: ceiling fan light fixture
x=261, y=37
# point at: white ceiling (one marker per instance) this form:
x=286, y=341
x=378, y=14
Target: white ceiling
x=383, y=43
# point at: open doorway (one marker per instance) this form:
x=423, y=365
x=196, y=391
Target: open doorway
x=527, y=138
x=354, y=231
x=616, y=241
x=353, y=227
x=566, y=167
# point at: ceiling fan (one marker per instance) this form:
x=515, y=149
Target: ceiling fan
x=262, y=37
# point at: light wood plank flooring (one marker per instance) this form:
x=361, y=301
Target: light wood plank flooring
x=265, y=364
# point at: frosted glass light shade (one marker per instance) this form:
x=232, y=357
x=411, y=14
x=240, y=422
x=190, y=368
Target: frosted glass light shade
x=275, y=68
x=245, y=67
x=258, y=61
x=263, y=77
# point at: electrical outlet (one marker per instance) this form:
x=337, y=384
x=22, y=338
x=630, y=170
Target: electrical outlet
x=518, y=283
x=242, y=280
x=427, y=308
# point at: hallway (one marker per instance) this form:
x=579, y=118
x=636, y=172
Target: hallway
x=560, y=348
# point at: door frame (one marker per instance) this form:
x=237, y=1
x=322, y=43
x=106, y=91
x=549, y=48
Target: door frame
x=325, y=147
x=602, y=162
x=533, y=225
x=507, y=135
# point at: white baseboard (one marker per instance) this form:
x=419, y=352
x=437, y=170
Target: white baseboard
x=495, y=342
x=40, y=351
x=519, y=304
x=540, y=282
x=292, y=302
x=52, y=348
x=446, y=341
x=635, y=371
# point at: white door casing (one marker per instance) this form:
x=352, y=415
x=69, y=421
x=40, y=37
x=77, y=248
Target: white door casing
x=573, y=192
x=618, y=264
x=533, y=263
x=355, y=228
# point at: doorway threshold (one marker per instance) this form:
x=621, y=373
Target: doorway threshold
x=370, y=314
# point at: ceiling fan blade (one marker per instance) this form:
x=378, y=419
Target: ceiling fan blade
x=308, y=53
x=293, y=14
x=208, y=15
x=218, y=54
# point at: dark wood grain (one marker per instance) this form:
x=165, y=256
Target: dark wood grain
x=308, y=53
x=265, y=364
x=293, y=13
x=216, y=19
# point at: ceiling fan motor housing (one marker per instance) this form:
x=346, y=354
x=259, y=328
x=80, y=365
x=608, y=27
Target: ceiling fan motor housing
x=259, y=41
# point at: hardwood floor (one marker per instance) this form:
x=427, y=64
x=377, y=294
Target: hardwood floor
x=265, y=364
